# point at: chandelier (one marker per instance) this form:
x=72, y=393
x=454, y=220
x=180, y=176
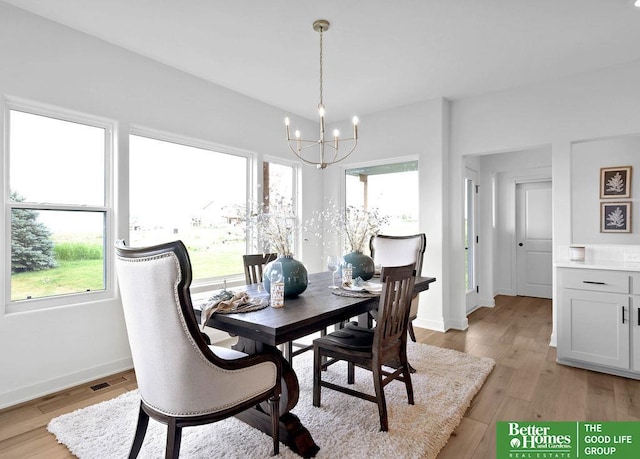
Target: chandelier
x=322, y=152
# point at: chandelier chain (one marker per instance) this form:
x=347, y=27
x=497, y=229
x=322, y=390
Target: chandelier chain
x=321, y=56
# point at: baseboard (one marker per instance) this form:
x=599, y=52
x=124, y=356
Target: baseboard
x=429, y=324
x=553, y=342
x=457, y=324
x=51, y=386
x=475, y=308
x=487, y=302
x=599, y=368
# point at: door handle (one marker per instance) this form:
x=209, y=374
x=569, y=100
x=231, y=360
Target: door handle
x=622, y=314
x=638, y=316
x=594, y=282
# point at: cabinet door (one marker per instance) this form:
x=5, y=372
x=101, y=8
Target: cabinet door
x=592, y=329
x=635, y=327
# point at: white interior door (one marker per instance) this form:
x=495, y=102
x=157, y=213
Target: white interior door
x=533, y=236
x=471, y=238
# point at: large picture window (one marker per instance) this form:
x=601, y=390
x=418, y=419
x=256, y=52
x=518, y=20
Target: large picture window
x=191, y=193
x=57, y=204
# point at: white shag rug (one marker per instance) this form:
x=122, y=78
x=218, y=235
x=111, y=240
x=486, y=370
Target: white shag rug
x=344, y=426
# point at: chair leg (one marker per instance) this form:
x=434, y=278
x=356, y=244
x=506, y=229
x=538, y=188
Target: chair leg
x=408, y=383
x=382, y=402
x=412, y=334
x=317, y=371
x=275, y=423
x=351, y=373
x=141, y=430
x=174, y=437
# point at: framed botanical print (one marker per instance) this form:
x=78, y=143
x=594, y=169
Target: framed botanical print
x=615, y=217
x=615, y=182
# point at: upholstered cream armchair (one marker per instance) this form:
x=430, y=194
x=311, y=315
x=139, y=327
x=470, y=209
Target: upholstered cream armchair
x=398, y=251
x=181, y=379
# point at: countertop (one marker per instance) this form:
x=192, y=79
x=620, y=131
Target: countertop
x=610, y=265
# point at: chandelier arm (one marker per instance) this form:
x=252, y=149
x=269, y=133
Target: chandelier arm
x=316, y=163
x=301, y=158
x=312, y=143
x=345, y=156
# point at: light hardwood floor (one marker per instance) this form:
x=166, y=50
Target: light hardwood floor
x=526, y=384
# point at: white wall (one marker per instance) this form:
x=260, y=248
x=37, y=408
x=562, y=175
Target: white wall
x=586, y=160
x=47, y=350
x=589, y=106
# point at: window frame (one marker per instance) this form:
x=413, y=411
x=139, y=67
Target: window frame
x=67, y=299
x=295, y=204
x=379, y=162
x=205, y=284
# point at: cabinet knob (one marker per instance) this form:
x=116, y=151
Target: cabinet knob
x=521, y=244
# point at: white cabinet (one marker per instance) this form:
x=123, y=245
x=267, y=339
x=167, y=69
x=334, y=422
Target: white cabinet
x=599, y=320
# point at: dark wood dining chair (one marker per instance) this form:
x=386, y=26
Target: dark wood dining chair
x=397, y=251
x=371, y=349
x=183, y=381
x=254, y=266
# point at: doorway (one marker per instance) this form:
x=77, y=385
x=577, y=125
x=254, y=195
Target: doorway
x=534, y=261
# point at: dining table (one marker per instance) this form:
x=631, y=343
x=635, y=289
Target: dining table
x=317, y=308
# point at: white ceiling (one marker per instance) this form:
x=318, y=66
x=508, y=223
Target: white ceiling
x=378, y=53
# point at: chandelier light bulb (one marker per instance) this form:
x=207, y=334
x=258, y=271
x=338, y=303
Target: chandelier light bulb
x=297, y=134
x=321, y=109
x=354, y=120
x=336, y=133
x=286, y=121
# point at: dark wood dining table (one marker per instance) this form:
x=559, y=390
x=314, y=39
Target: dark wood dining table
x=259, y=331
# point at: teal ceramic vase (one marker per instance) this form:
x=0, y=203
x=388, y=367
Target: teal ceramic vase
x=295, y=276
x=363, y=266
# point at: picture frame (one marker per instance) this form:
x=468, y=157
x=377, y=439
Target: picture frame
x=615, y=217
x=615, y=182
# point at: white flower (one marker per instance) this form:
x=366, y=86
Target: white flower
x=355, y=223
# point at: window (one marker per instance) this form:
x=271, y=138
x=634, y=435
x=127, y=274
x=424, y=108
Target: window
x=279, y=183
x=390, y=188
x=58, y=204
x=192, y=193
x=279, y=195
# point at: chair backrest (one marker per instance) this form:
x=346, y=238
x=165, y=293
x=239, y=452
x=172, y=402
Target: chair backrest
x=254, y=266
x=393, y=311
x=398, y=250
x=177, y=373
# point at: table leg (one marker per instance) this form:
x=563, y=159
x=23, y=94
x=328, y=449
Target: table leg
x=292, y=432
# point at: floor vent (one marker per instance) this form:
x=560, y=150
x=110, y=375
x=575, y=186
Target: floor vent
x=100, y=386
